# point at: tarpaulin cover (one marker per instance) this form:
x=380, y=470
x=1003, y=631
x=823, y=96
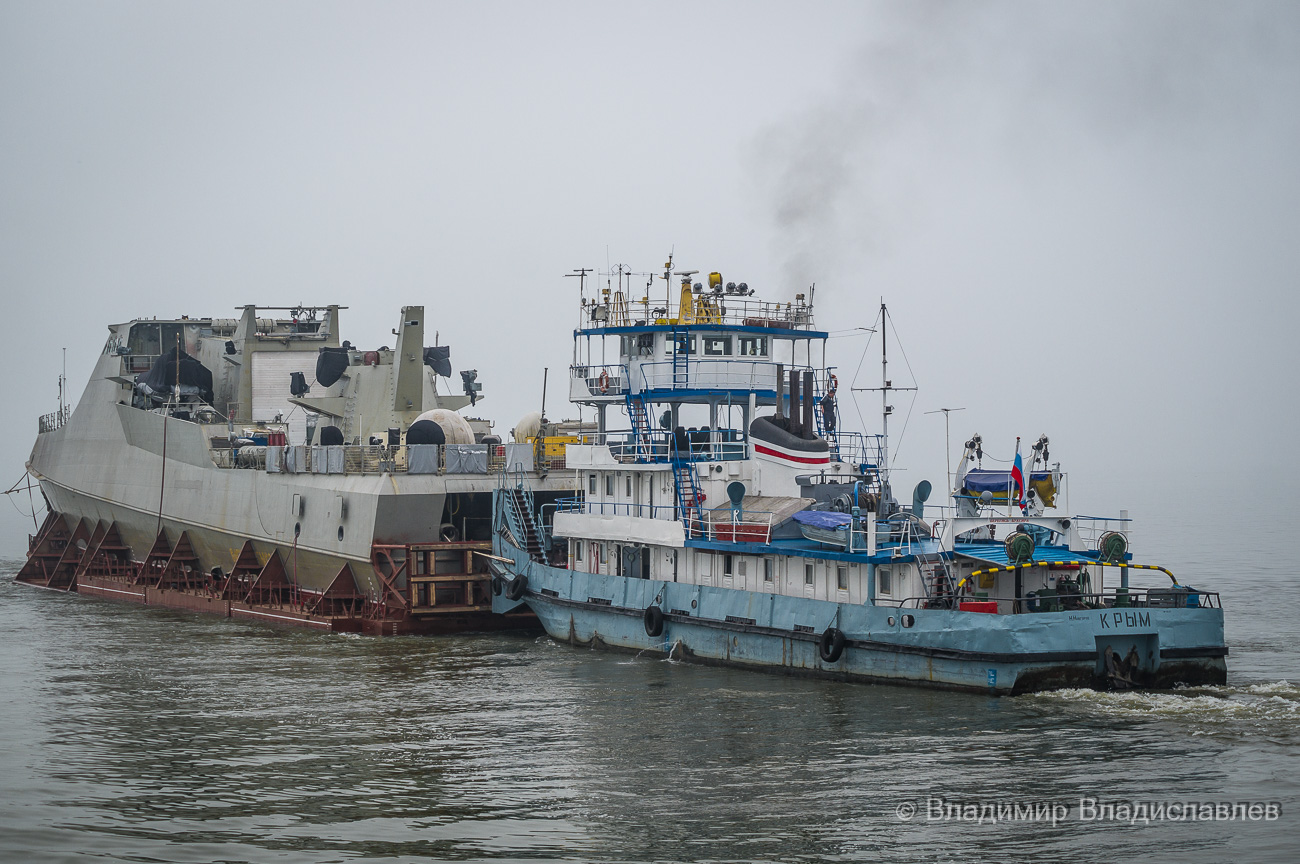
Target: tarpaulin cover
x=163, y=376
x=467, y=458
x=330, y=365
x=827, y=519
x=295, y=459
x=274, y=460
x=438, y=358
x=519, y=456
x=327, y=460
x=422, y=459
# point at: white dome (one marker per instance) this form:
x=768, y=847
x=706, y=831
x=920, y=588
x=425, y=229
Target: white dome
x=528, y=427
x=454, y=426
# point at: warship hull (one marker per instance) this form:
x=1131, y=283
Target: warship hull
x=173, y=507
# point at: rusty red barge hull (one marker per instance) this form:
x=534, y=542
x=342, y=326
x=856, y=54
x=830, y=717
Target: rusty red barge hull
x=427, y=588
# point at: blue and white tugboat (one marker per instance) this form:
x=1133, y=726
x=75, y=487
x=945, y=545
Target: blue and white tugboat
x=733, y=522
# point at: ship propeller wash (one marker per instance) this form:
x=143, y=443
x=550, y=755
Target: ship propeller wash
x=731, y=520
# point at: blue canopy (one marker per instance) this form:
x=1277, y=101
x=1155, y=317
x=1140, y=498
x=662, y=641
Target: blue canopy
x=985, y=480
x=827, y=519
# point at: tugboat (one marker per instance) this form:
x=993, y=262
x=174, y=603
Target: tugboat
x=257, y=467
x=731, y=521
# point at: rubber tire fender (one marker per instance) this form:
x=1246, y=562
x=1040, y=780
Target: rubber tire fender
x=516, y=587
x=831, y=644
x=653, y=619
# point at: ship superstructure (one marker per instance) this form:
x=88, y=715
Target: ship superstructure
x=260, y=467
x=730, y=520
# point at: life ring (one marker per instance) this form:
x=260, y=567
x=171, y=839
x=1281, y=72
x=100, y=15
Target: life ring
x=831, y=644
x=516, y=587
x=832, y=384
x=604, y=380
x=653, y=620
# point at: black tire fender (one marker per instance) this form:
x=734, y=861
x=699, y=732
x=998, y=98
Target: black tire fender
x=831, y=644
x=516, y=587
x=653, y=620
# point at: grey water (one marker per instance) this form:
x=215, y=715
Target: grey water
x=138, y=734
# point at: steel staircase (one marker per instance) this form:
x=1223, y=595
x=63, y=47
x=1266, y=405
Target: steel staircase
x=688, y=493
x=642, y=433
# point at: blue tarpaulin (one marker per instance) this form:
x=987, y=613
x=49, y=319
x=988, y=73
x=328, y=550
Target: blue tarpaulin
x=983, y=480
x=827, y=519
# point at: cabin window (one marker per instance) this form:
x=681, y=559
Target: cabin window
x=808, y=573
x=609, y=485
x=577, y=550
x=741, y=568
x=842, y=577
x=604, y=553
x=767, y=569
x=679, y=345
x=629, y=487
x=717, y=346
x=153, y=338
x=726, y=565
x=752, y=346
x=884, y=580
x=591, y=483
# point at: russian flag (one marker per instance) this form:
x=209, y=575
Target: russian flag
x=1018, y=474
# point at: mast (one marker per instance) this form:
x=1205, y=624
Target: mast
x=885, y=407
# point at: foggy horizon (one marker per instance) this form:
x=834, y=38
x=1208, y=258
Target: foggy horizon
x=1082, y=217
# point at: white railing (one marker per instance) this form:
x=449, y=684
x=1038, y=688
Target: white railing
x=727, y=309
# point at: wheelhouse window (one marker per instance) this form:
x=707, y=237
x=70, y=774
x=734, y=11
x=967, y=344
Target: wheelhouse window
x=717, y=346
x=684, y=344
x=752, y=346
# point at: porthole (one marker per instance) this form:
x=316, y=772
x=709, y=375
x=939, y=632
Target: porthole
x=340, y=533
x=908, y=620
x=891, y=621
x=692, y=604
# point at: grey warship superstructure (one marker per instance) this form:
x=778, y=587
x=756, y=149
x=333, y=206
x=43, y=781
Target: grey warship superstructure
x=258, y=467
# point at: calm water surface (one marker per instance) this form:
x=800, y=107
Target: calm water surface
x=134, y=734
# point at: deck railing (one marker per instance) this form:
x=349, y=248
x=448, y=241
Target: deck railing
x=1116, y=598
x=370, y=459
x=750, y=526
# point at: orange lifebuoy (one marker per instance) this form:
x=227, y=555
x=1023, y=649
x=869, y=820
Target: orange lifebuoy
x=604, y=380
x=832, y=385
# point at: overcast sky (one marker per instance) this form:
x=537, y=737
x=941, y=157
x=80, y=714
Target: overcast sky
x=1083, y=216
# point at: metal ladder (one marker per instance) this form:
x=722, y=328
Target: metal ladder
x=688, y=494
x=642, y=434
x=681, y=370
